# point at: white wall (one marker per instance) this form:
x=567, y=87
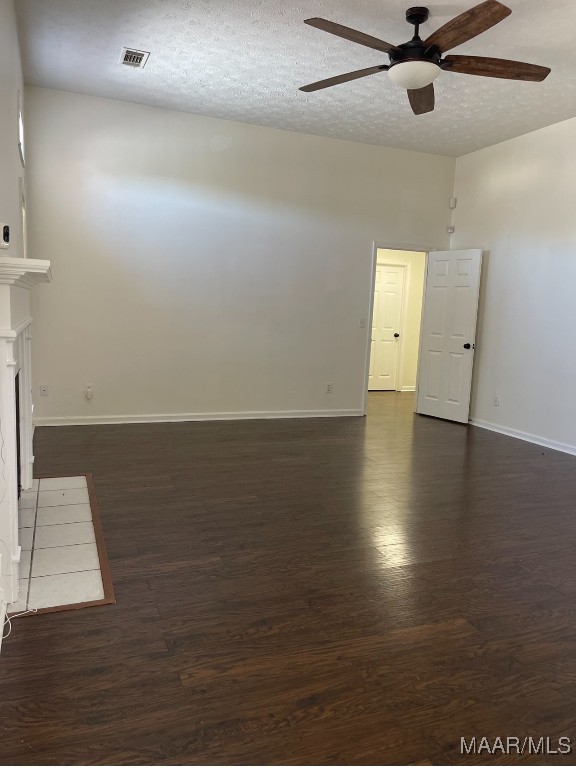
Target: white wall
x=517, y=200
x=414, y=296
x=204, y=266
x=11, y=170
x=10, y=165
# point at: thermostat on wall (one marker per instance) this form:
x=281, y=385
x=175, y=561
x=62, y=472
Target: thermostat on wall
x=5, y=239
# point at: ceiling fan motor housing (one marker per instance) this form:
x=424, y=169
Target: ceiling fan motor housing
x=415, y=50
x=414, y=64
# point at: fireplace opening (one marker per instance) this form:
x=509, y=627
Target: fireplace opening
x=18, y=465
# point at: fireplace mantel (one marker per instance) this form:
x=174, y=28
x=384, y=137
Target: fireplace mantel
x=24, y=273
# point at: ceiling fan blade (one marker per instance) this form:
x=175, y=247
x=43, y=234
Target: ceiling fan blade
x=468, y=25
x=488, y=67
x=351, y=34
x=422, y=100
x=343, y=78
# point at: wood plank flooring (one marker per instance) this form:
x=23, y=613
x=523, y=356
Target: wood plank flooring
x=327, y=591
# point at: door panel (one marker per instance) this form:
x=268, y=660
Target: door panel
x=434, y=374
x=386, y=321
x=438, y=311
x=448, y=323
x=455, y=378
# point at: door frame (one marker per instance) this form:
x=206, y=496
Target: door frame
x=376, y=246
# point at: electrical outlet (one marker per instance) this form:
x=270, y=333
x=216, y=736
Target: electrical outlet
x=88, y=392
x=4, y=236
x=496, y=401
x=329, y=389
x=43, y=390
x=362, y=322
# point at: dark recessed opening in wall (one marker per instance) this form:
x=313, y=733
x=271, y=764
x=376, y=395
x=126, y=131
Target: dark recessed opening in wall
x=18, y=466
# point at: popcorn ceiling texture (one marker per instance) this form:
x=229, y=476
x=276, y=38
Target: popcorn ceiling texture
x=244, y=60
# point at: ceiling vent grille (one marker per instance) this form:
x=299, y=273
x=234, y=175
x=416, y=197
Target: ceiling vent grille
x=133, y=58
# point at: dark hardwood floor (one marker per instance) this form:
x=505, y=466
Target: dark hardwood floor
x=326, y=591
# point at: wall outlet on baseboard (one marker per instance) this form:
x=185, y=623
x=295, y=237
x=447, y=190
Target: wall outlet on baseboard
x=329, y=389
x=43, y=390
x=496, y=401
x=88, y=392
x=4, y=236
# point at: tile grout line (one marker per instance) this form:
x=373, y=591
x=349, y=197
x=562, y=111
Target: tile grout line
x=52, y=525
x=65, y=546
x=67, y=573
x=73, y=522
x=32, y=548
x=58, y=546
x=57, y=506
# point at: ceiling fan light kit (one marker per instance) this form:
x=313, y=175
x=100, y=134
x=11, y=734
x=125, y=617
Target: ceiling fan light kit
x=416, y=64
x=414, y=74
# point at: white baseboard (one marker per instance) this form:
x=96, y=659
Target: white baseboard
x=71, y=421
x=408, y=389
x=526, y=436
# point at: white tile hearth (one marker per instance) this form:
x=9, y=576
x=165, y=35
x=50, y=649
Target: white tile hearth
x=26, y=518
x=62, y=483
x=63, y=535
x=20, y=605
x=69, y=513
x=26, y=538
x=28, y=500
x=25, y=562
x=55, y=560
x=57, y=498
x=59, y=564
x=65, y=589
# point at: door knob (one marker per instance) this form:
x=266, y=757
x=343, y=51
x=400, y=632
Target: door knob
x=467, y=346
x=396, y=335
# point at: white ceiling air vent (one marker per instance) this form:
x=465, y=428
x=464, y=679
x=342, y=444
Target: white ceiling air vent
x=133, y=58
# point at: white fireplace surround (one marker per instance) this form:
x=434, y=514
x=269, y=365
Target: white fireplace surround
x=15, y=357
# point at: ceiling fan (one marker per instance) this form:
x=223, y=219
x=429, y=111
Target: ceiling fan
x=416, y=64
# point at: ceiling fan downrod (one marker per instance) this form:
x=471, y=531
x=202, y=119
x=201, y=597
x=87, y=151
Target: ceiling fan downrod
x=417, y=16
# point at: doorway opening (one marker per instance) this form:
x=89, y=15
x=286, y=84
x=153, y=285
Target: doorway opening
x=396, y=319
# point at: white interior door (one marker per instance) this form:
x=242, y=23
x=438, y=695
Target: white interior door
x=386, y=321
x=448, y=333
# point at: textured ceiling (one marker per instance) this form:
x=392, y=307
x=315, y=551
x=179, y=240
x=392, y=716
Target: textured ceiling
x=245, y=60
